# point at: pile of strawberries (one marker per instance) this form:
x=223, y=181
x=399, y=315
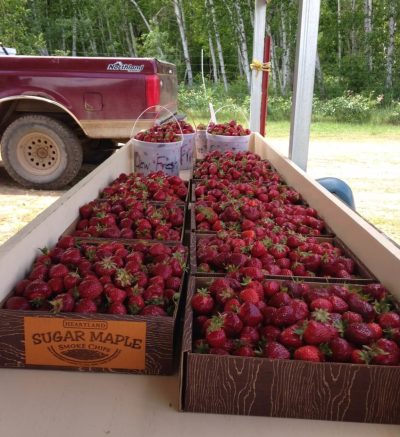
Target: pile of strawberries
x=251, y=227
x=179, y=127
x=84, y=277
x=239, y=167
x=125, y=270
x=159, y=134
x=231, y=129
x=296, y=320
x=272, y=253
x=130, y=218
x=157, y=187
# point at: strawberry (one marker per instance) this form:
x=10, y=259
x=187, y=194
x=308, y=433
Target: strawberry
x=321, y=303
x=215, y=335
x=153, y=310
x=115, y=295
x=71, y=279
x=249, y=295
x=308, y=353
x=270, y=332
x=375, y=291
x=232, y=324
x=389, y=320
x=20, y=287
x=90, y=289
x=352, y=317
x=338, y=304
x=63, y=303
x=202, y=302
x=244, y=351
x=341, y=350
x=276, y=351
x=249, y=335
x=386, y=352
x=117, y=308
x=284, y=316
x=17, y=303
x=56, y=285
x=85, y=306
x=66, y=241
x=359, y=333
x=71, y=256
x=58, y=271
x=250, y=314
x=135, y=304
x=316, y=333
x=362, y=307
x=291, y=337
x=36, y=288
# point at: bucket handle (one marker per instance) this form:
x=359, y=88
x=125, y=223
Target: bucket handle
x=157, y=113
x=214, y=115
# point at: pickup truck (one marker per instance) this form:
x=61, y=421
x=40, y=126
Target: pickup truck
x=56, y=112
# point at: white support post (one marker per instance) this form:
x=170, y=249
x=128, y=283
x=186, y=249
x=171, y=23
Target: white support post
x=303, y=87
x=258, y=54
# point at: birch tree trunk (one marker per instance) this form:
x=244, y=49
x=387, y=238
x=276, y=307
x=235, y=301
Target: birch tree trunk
x=181, y=24
x=285, y=55
x=243, y=42
x=218, y=41
x=319, y=74
x=390, y=48
x=339, y=34
x=353, y=40
x=368, y=31
x=250, y=5
x=133, y=40
x=275, y=77
x=213, y=58
x=146, y=23
x=110, y=37
x=74, y=30
x=240, y=62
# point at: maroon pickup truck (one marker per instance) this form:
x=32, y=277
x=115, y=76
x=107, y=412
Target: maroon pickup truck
x=56, y=112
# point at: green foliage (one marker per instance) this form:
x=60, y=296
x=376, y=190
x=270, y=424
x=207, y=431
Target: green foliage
x=347, y=108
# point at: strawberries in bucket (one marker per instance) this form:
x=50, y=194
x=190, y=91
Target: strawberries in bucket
x=227, y=136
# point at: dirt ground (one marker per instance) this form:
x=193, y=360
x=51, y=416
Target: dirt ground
x=371, y=168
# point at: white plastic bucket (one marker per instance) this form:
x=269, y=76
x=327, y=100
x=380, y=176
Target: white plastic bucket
x=201, y=143
x=187, y=151
x=152, y=157
x=225, y=143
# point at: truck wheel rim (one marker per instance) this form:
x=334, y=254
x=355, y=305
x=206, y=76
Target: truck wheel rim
x=38, y=153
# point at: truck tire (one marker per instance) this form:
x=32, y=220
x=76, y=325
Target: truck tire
x=41, y=152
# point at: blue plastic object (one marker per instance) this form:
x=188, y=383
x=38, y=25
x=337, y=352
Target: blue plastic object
x=340, y=189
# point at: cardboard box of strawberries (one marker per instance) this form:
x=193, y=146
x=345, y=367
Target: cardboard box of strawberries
x=106, y=297
x=279, y=320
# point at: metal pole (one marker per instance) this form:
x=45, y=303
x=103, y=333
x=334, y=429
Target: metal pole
x=303, y=87
x=260, y=9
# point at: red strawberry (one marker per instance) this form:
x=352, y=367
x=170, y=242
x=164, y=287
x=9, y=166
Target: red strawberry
x=135, y=304
x=20, y=287
x=352, y=317
x=279, y=299
x=117, y=308
x=39, y=271
x=276, y=351
x=202, y=302
x=90, y=289
x=389, y=320
x=215, y=334
x=244, y=351
x=37, y=287
x=338, y=304
x=387, y=352
x=362, y=307
x=66, y=242
x=17, y=303
x=359, y=333
x=291, y=337
x=316, y=333
x=153, y=310
x=308, y=353
x=71, y=256
x=232, y=324
x=63, y=303
x=85, y=306
x=270, y=332
x=58, y=271
x=115, y=295
x=376, y=330
x=56, y=285
x=249, y=335
x=321, y=303
x=249, y=295
x=341, y=350
x=72, y=279
x=284, y=316
x=376, y=291
x=250, y=314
